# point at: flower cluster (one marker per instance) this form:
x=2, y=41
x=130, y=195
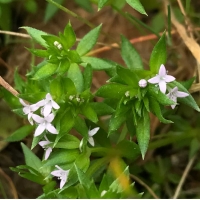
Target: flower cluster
x=43, y=122
x=161, y=79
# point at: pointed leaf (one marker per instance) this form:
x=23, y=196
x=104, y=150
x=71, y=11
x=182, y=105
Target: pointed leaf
x=87, y=76
x=143, y=132
x=88, y=112
x=101, y=3
x=130, y=55
x=30, y=158
x=88, y=41
x=158, y=55
x=36, y=35
x=135, y=4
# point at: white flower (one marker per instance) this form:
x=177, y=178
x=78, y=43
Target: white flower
x=44, y=145
x=174, y=93
x=48, y=104
x=61, y=174
x=162, y=79
x=29, y=109
x=103, y=193
x=142, y=83
x=91, y=133
x=44, y=124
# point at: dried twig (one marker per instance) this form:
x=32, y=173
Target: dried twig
x=145, y=185
x=8, y=87
x=185, y=173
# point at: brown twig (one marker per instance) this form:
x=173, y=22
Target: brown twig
x=145, y=185
x=8, y=87
x=185, y=173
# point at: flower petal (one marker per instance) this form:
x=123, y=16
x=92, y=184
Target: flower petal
x=40, y=103
x=162, y=86
x=51, y=128
x=43, y=143
x=48, y=97
x=181, y=94
x=49, y=118
x=162, y=71
x=56, y=173
x=47, y=109
x=93, y=131
x=39, y=130
x=155, y=79
x=47, y=153
x=173, y=106
x=55, y=105
x=169, y=78
x=91, y=141
x=22, y=102
x=37, y=118
x=26, y=110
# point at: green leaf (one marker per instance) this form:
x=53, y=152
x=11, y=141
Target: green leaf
x=63, y=67
x=51, y=10
x=158, y=55
x=155, y=108
x=62, y=156
x=81, y=127
x=159, y=96
x=101, y=108
x=33, y=178
x=87, y=76
x=128, y=149
x=85, y=4
x=102, y=3
x=143, y=132
x=97, y=63
x=135, y=4
x=20, y=134
x=74, y=73
x=19, y=83
x=70, y=37
x=30, y=158
x=186, y=100
x=113, y=90
x=130, y=55
x=88, y=41
x=45, y=71
x=128, y=76
x=88, y=112
x=188, y=83
x=39, y=52
x=56, y=89
x=36, y=35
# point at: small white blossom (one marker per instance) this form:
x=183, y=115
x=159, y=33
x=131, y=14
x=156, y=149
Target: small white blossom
x=59, y=46
x=142, y=83
x=162, y=79
x=29, y=109
x=92, y=133
x=48, y=104
x=44, y=124
x=103, y=193
x=71, y=97
x=61, y=174
x=174, y=93
x=127, y=93
x=44, y=144
x=56, y=43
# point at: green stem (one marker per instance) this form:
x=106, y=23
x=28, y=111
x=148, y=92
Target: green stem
x=71, y=13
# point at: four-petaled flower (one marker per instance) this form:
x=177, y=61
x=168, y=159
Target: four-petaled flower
x=44, y=124
x=162, y=79
x=61, y=174
x=174, y=93
x=44, y=144
x=48, y=104
x=29, y=109
x=91, y=133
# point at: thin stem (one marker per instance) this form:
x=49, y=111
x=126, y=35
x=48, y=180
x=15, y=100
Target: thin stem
x=185, y=173
x=15, y=34
x=145, y=185
x=8, y=87
x=71, y=13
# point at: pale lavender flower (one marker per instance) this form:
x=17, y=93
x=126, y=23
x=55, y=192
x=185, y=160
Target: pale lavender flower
x=174, y=93
x=162, y=79
x=91, y=133
x=29, y=109
x=44, y=144
x=48, y=104
x=61, y=174
x=142, y=83
x=44, y=124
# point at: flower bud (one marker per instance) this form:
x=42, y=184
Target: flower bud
x=142, y=83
